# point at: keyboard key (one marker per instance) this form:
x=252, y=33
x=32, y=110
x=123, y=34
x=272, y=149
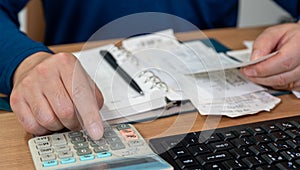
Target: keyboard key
x=279, y=146
x=186, y=162
x=260, y=149
x=242, y=133
x=253, y=161
x=234, y=164
x=285, y=125
x=256, y=130
x=276, y=136
x=261, y=139
x=241, y=152
x=270, y=128
x=291, y=154
x=287, y=165
x=214, y=166
x=219, y=146
x=294, y=133
x=178, y=152
x=199, y=149
x=213, y=157
x=239, y=142
x=272, y=158
x=227, y=135
x=295, y=143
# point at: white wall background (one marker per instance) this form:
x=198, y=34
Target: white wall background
x=251, y=13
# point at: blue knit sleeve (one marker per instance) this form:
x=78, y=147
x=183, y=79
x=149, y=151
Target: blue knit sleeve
x=291, y=6
x=15, y=46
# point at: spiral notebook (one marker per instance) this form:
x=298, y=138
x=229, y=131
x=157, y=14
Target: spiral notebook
x=121, y=102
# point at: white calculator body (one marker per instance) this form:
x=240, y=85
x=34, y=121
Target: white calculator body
x=121, y=148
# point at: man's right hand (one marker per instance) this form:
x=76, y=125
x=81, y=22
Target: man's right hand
x=49, y=89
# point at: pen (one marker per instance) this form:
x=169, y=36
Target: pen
x=113, y=63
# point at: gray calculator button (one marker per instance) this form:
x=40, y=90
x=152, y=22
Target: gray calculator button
x=113, y=140
x=97, y=143
x=61, y=148
x=43, y=145
x=78, y=139
x=110, y=133
x=83, y=151
x=75, y=134
x=117, y=146
x=81, y=145
x=45, y=151
x=41, y=139
x=123, y=126
x=58, y=139
x=134, y=143
x=99, y=149
x=48, y=157
x=65, y=154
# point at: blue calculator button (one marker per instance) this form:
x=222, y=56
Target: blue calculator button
x=87, y=157
x=50, y=163
x=103, y=154
x=67, y=160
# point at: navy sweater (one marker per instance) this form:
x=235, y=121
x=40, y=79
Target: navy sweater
x=69, y=21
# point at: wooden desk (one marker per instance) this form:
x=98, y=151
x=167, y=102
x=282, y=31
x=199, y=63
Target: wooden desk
x=13, y=139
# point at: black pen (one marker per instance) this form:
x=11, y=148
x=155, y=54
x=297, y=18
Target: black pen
x=113, y=63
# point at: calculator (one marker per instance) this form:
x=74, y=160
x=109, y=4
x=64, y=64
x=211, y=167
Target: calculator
x=120, y=148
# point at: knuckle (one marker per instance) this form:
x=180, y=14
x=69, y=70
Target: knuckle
x=287, y=63
x=42, y=69
x=15, y=98
x=27, y=82
x=66, y=58
x=44, y=118
x=66, y=112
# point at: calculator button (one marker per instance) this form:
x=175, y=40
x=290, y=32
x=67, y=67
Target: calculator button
x=75, y=134
x=103, y=154
x=41, y=139
x=68, y=160
x=125, y=132
x=117, y=146
x=113, y=140
x=97, y=143
x=78, y=139
x=84, y=151
x=45, y=150
x=81, y=145
x=65, y=154
x=123, y=126
x=135, y=143
x=58, y=139
x=47, y=157
x=103, y=148
x=43, y=145
x=110, y=133
x=50, y=163
x=61, y=148
x=87, y=157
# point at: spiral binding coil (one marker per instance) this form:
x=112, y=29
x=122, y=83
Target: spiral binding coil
x=122, y=54
x=152, y=78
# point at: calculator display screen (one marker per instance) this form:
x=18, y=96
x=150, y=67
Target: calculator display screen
x=124, y=164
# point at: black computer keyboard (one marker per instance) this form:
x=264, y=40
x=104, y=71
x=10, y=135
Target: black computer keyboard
x=271, y=144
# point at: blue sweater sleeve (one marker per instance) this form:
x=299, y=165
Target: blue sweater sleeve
x=15, y=46
x=291, y=6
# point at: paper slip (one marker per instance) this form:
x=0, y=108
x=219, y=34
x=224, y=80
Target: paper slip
x=240, y=105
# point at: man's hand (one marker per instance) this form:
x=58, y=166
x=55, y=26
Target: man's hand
x=49, y=89
x=281, y=71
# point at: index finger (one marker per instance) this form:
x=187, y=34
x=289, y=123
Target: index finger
x=266, y=42
x=85, y=96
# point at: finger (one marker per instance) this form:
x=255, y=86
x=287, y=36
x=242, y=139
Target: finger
x=61, y=104
x=43, y=113
x=296, y=86
x=82, y=92
x=266, y=42
x=278, y=81
x=25, y=117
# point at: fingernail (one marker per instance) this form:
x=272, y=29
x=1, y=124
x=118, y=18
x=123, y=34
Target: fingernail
x=256, y=54
x=250, y=71
x=95, y=131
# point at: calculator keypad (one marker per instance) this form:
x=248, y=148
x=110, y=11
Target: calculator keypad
x=60, y=150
